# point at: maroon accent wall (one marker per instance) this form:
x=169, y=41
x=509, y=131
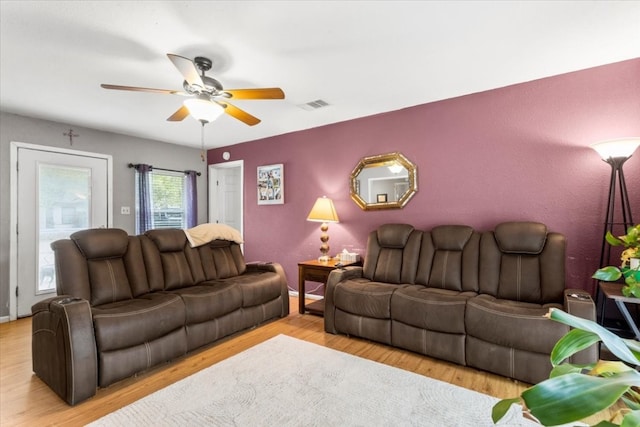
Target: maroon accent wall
x=516, y=153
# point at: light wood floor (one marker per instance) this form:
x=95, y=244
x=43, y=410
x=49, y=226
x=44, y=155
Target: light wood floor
x=25, y=400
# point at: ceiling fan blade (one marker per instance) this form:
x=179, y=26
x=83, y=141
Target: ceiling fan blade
x=265, y=93
x=187, y=68
x=179, y=115
x=239, y=114
x=144, y=89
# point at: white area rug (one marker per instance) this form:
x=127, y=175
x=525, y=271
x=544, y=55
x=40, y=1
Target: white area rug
x=288, y=382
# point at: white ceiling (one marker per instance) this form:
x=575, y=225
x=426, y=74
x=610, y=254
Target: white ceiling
x=362, y=57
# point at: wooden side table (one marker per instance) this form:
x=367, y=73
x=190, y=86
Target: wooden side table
x=614, y=291
x=315, y=271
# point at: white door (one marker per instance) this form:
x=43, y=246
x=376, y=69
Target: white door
x=58, y=193
x=226, y=194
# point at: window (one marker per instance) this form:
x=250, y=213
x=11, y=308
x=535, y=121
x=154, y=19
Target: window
x=166, y=200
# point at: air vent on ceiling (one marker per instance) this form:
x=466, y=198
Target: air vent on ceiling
x=314, y=105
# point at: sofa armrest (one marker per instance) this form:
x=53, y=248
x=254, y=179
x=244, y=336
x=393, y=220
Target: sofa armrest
x=264, y=266
x=63, y=347
x=579, y=303
x=284, y=286
x=335, y=277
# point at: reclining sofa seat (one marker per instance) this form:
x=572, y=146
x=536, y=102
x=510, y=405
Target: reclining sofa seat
x=361, y=305
x=428, y=317
x=522, y=272
x=476, y=299
x=127, y=303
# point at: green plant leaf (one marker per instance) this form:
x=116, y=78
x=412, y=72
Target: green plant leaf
x=631, y=277
x=604, y=367
x=613, y=240
x=631, y=290
x=632, y=400
x=614, y=343
x=567, y=368
x=632, y=419
x=574, y=341
x=605, y=424
x=607, y=274
x=632, y=344
x=500, y=409
x=572, y=397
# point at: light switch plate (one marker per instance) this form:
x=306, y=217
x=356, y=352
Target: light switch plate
x=125, y=210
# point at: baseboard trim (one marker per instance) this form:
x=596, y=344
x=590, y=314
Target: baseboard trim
x=4, y=319
x=308, y=296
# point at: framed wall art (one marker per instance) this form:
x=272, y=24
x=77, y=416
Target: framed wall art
x=271, y=185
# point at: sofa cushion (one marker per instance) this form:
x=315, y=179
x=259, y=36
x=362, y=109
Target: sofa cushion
x=430, y=308
x=531, y=277
x=222, y=259
x=451, y=237
x=365, y=298
x=168, y=239
x=136, y=268
x=104, y=249
x=513, y=324
x=127, y=323
x=177, y=273
x=171, y=244
x=394, y=235
x=101, y=242
x=392, y=254
x=257, y=287
x=108, y=281
x=520, y=237
x=210, y=300
x=449, y=258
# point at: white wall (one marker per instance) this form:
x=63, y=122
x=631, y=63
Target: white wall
x=124, y=150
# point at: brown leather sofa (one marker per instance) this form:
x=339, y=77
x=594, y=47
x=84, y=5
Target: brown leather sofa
x=127, y=303
x=473, y=298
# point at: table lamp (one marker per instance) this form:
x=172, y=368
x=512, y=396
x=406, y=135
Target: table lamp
x=323, y=211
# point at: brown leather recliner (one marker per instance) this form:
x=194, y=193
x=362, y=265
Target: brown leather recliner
x=522, y=276
x=453, y=293
x=127, y=303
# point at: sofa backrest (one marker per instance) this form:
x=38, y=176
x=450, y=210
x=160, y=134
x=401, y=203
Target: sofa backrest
x=106, y=265
x=519, y=261
x=173, y=253
x=522, y=261
x=449, y=258
x=222, y=259
x=99, y=265
x=392, y=254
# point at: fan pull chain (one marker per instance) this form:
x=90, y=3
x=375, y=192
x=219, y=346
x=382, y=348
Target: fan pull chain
x=202, y=153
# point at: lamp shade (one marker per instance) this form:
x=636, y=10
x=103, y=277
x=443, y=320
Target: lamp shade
x=203, y=109
x=623, y=147
x=323, y=211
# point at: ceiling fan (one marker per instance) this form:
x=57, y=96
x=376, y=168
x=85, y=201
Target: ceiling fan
x=207, y=98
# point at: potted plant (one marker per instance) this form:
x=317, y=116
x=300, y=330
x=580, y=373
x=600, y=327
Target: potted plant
x=630, y=266
x=574, y=392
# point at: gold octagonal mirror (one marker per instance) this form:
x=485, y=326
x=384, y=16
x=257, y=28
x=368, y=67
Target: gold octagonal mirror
x=385, y=181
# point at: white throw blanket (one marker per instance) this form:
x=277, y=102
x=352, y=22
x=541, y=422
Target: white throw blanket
x=205, y=233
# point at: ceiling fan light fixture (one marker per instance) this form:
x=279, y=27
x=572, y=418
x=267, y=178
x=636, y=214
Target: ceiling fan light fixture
x=203, y=109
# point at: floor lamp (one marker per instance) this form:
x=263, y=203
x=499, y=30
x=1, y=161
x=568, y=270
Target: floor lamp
x=614, y=152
